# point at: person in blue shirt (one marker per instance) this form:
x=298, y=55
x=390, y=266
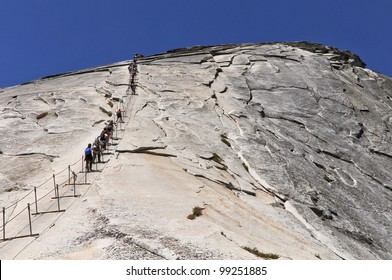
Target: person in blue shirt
x=88, y=157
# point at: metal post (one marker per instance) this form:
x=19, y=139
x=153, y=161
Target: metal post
x=85, y=178
x=3, y=223
x=122, y=105
x=28, y=210
x=54, y=184
x=82, y=164
x=58, y=197
x=74, y=189
x=69, y=174
x=36, y=201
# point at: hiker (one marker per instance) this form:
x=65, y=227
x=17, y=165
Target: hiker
x=109, y=129
x=96, y=152
x=130, y=68
x=133, y=88
x=103, y=139
x=88, y=157
x=133, y=78
x=119, y=116
x=108, y=133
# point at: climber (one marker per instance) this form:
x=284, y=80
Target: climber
x=133, y=88
x=133, y=78
x=130, y=68
x=96, y=151
x=109, y=129
x=119, y=116
x=103, y=139
x=88, y=157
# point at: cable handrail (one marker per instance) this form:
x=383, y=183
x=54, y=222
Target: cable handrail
x=16, y=202
x=15, y=216
x=31, y=191
x=123, y=106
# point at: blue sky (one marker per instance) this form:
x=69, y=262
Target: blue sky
x=45, y=37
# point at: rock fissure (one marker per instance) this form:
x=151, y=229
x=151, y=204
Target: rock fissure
x=160, y=127
x=334, y=155
x=147, y=150
x=281, y=57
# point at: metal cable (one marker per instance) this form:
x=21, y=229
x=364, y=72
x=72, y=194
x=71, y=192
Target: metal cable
x=82, y=178
x=44, y=182
x=13, y=218
x=15, y=203
x=39, y=199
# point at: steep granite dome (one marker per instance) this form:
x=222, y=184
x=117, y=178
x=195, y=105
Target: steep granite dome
x=281, y=147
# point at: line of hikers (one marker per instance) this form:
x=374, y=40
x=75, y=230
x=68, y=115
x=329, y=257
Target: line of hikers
x=132, y=68
x=94, y=153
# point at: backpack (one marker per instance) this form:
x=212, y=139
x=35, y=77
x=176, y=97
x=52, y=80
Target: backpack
x=87, y=151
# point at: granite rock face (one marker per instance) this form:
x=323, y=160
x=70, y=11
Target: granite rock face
x=285, y=147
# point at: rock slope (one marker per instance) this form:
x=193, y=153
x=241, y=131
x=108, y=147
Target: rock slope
x=282, y=147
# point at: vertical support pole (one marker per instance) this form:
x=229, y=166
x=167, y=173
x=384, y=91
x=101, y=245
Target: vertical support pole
x=36, y=200
x=58, y=197
x=69, y=174
x=74, y=188
x=28, y=210
x=54, y=185
x=3, y=223
x=85, y=178
x=82, y=164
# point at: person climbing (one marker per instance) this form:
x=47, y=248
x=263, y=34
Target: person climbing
x=133, y=78
x=130, y=68
x=109, y=129
x=88, y=157
x=133, y=88
x=119, y=116
x=103, y=139
x=96, y=152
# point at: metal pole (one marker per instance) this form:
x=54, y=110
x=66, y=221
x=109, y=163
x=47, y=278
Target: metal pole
x=85, y=178
x=82, y=164
x=28, y=209
x=54, y=184
x=58, y=197
x=36, y=201
x=74, y=175
x=69, y=174
x=3, y=223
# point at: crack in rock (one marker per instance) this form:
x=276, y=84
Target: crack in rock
x=147, y=150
